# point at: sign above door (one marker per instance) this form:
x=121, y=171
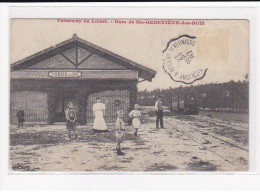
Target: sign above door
x=65, y=74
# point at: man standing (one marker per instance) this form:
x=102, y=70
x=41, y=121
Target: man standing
x=159, y=113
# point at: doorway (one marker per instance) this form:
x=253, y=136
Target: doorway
x=63, y=99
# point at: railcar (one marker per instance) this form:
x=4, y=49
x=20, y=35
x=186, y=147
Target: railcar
x=184, y=105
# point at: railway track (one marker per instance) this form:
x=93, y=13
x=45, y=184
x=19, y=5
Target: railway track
x=230, y=143
x=193, y=139
x=218, y=151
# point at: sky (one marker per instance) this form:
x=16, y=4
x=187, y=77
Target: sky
x=222, y=46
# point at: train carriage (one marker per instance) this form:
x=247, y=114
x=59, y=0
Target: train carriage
x=184, y=105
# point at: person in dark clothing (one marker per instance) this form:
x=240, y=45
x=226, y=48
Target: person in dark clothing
x=159, y=113
x=20, y=117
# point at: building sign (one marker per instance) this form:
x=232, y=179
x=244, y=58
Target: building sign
x=69, y=74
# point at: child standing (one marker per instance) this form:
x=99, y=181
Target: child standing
x=136, y=116
x=20, y=117
x=120, y=131
x=71, y=118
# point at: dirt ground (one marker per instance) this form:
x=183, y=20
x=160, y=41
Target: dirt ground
x=190, y=143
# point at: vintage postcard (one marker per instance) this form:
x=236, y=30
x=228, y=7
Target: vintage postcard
x=129, y=95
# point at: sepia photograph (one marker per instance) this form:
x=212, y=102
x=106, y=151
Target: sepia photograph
x=129, y=95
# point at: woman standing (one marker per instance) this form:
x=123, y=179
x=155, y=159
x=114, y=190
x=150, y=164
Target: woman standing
x=99, y=112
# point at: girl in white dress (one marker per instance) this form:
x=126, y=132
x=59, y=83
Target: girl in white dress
x=99, y=112
x=136, y=116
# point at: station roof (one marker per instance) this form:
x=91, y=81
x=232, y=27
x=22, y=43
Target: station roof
x=76, y=42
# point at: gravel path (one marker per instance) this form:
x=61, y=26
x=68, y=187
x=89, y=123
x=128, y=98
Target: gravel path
x=190, y=143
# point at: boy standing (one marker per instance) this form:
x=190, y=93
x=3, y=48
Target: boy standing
x=20, y=117
x=71, y=117
x=120, y=131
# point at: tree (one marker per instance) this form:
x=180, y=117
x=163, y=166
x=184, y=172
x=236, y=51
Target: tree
x=216, y=96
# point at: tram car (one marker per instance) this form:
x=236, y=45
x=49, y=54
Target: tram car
x=184, y=105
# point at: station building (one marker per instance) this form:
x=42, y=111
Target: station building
x=74, y=71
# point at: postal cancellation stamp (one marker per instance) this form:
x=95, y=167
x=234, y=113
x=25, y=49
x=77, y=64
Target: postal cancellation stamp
x=179, y=60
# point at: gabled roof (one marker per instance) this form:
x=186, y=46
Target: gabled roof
x=144, y=72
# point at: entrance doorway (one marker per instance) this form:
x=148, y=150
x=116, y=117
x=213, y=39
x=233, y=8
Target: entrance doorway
x=63, y=99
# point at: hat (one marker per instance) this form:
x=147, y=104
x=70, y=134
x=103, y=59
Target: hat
x=120, y=112
x=70, y=105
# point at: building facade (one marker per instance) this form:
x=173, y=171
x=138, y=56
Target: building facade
x=74, y=71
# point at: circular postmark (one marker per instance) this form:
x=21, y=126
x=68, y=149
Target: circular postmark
x=179, y=60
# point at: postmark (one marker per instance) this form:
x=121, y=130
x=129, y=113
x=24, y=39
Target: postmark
x=179, y=60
